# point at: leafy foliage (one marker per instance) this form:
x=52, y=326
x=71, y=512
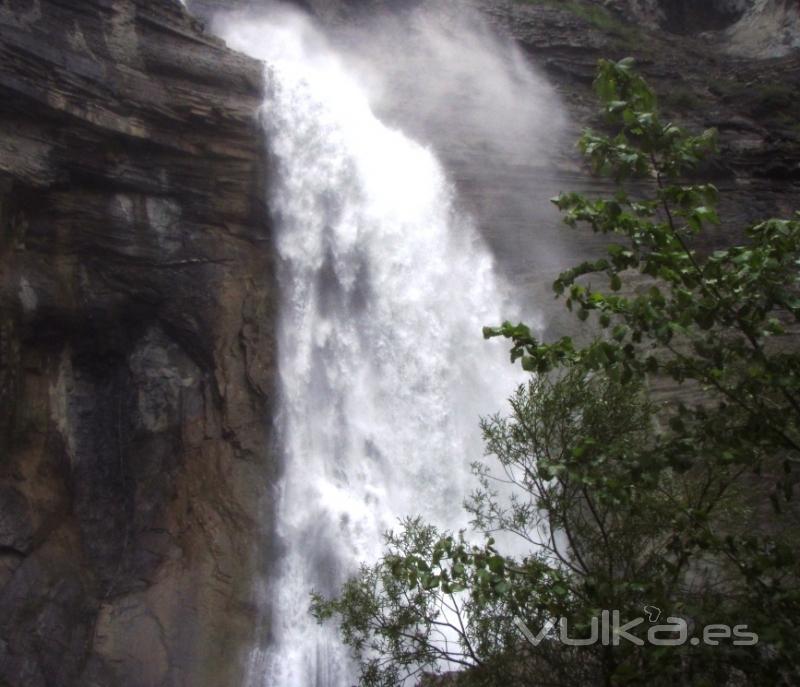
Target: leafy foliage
x=601, y=496
x=717, y=320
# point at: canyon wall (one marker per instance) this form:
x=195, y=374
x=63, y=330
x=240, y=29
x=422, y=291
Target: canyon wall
x=136, y=350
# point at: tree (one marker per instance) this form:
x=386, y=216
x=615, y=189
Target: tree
x=622, y=502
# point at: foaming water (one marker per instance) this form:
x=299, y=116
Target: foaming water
x=383, y=371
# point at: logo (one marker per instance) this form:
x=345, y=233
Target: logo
x=609, y=630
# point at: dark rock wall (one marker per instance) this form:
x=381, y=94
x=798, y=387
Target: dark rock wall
x=136, y=301
x=749, y=101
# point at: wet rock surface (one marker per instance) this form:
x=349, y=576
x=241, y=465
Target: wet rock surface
x=699, y=85
x=136, y=294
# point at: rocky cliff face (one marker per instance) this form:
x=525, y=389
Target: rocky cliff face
x=749, y=100
x=135, y=346
x=747, y=28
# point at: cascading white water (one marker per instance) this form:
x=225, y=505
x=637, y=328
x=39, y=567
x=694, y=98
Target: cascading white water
x=383, y=370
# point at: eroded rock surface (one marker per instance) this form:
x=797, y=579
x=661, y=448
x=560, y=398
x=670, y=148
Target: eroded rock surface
x=136, y=297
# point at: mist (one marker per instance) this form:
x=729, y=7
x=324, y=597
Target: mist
x=440, y=73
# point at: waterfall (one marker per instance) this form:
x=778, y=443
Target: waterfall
x=385, y=286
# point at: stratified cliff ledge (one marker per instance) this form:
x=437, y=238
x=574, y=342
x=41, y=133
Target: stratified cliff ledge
x=135, y=346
